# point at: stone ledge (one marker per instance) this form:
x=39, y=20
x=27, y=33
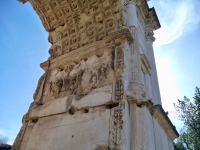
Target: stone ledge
x=165, y=122
x=159, y=114
x=97, y=97
x=97, y=48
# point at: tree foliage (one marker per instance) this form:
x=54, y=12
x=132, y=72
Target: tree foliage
x=179, y=146
x=189, y=112
x=3, y=140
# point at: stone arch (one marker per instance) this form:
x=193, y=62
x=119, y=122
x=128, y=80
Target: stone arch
x=55, y=13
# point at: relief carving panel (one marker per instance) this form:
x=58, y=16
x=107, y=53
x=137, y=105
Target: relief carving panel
x=79, y=78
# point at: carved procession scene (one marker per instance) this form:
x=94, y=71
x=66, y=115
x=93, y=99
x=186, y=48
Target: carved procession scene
x=99, y=90
x=81, y=78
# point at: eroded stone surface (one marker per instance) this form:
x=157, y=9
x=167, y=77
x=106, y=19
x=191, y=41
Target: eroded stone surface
x=63, y=131
x=100, y=84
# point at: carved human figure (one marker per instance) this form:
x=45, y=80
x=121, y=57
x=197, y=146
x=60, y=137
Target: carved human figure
x=94, y=78
x=102, y=75
x=59, y=84
x=93, y=81
x=48, y=91
x=102, y=72
x=77, y=82
x=66, y=83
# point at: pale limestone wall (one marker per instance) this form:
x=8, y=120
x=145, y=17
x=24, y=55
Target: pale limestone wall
x=100, y=84
x=149, y=131
x=146, y=132
x=81, y=131
x=162, y=140
x=171, y=144
x=26, y=136
x=142, y=42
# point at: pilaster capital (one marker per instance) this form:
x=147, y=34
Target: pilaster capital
x=149, y=34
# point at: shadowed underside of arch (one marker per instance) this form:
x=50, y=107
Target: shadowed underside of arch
x=54, y=13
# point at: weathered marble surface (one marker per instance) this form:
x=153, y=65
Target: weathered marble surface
x=99, y=90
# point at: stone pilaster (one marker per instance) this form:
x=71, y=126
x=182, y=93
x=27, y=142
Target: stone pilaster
x=92, y=96
x=149, y=35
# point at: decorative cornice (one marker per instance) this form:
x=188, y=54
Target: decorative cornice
x=154, y=19
x=165, y=122
x=149, y=14
x=114, y=39
x=158, y=112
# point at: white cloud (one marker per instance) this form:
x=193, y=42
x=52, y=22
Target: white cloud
x=177, y=18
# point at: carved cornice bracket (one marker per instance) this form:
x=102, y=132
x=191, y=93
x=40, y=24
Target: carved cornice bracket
x=149, y=14
x=149, y=34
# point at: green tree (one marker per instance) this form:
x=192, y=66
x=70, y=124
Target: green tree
x=179, y=146
x=3, y=140
x=189, y=112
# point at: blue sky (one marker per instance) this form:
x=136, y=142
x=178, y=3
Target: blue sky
x=24, y=45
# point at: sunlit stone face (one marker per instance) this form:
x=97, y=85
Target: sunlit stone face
x=92, y=96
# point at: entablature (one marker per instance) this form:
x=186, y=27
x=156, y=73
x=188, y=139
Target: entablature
x=113, y=40
x=165, y=122
x=149, y=14
x=158, y=113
